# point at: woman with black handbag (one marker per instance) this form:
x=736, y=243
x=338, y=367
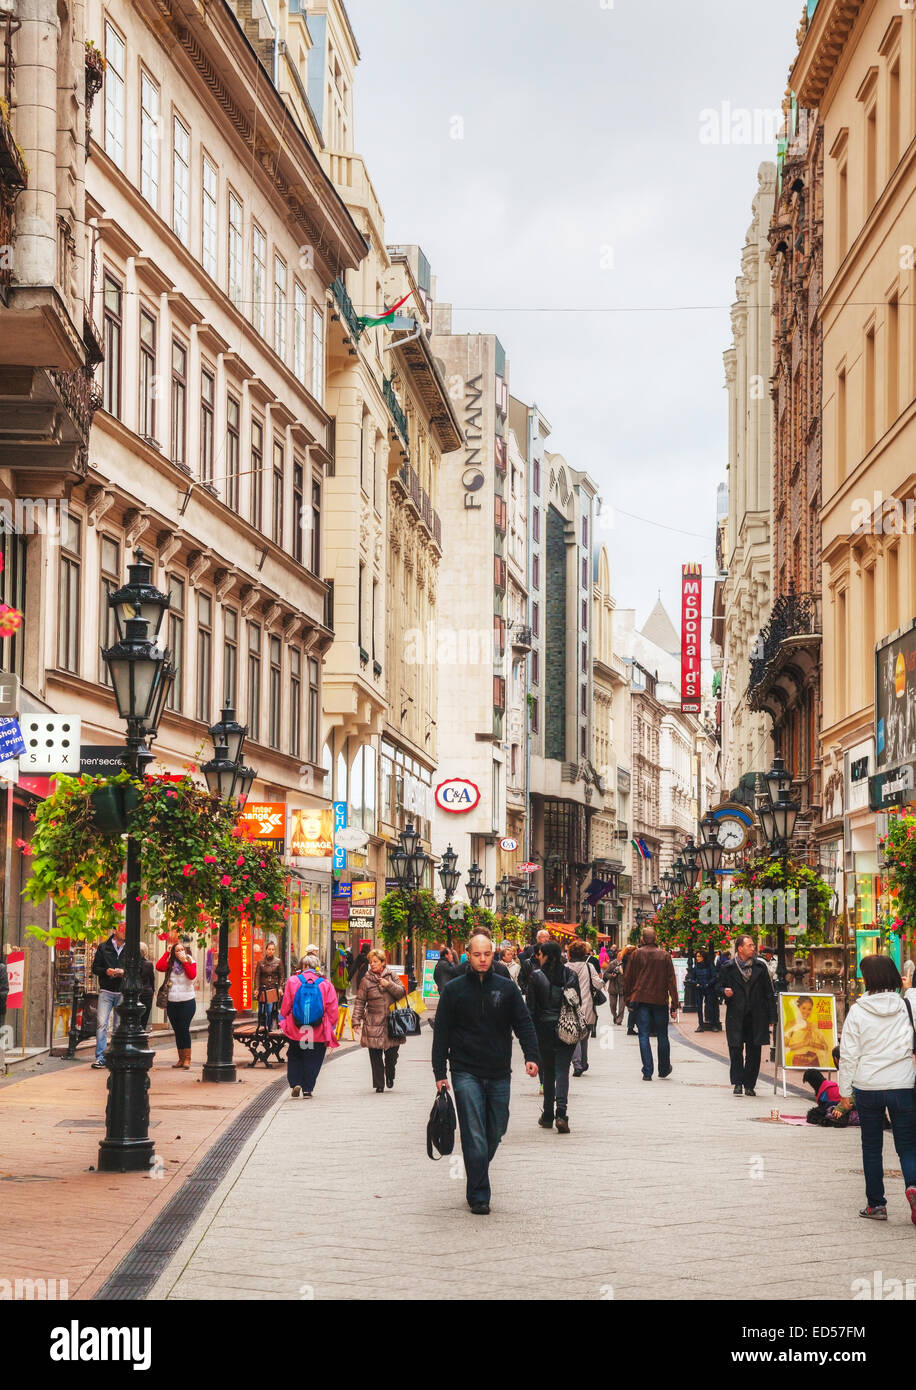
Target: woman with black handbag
x=546, y=997
x=378, y=990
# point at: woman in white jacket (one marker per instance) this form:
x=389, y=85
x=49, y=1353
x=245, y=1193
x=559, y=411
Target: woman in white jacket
x=876, y=1061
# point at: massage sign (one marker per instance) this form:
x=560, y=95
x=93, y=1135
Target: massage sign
x=691, y=595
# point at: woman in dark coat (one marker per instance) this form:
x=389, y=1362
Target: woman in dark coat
x=378, y=990
x=447, y=967
x=545, y=999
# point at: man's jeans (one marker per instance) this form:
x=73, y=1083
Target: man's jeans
x=483, y=1116
x=653, y=1018
x=109, y=1000
x=902, y=1111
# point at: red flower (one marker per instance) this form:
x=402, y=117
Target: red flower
x=259, y=897
x=240, y=861
x=188, y=870
x=225, y=881
x=119, y=907
x=209, y=858
x=24, y=846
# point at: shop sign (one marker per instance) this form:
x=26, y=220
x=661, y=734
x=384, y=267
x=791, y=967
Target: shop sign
x=895, y=787
x=691, y=592
x=528, y=868
x=52, y=743
x=263, y=820
x=9, y=694
x=312, y=834
x=895, y=700
x=101, y=760
x=429, y=989
x=12, y=744
x=15, y=969
x=457, y=795
x=343, y=890
x=508, y=844
x=339, y=809
x=363, y=892
x=351, y=837
x=340, y=909
x=362, y=913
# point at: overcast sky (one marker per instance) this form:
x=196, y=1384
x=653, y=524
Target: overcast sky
x=581, y=217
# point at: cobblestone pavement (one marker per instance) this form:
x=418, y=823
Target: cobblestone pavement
x=672, y=1190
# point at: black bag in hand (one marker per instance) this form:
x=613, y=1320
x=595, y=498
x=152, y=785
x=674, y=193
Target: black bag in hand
x=402, y=1023
x=441, y=1126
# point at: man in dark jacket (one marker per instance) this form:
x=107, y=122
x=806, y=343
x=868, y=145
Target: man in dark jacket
x=108, y=966
x=476, y=1016
x=447, y=968
x=527, y=960
x=651, y=987
x=750, y=1012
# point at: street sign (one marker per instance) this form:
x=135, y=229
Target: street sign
x=12, y=744
x=101, y=760
x=9, y=695
x=528, y=868
x=52, y=743
x=350, y=837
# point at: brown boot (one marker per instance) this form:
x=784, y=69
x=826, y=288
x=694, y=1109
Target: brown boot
x=180, y=1062
x=186, y=1059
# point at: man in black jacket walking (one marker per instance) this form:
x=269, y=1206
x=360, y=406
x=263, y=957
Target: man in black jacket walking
x=750, y=1012
x=476, y=1016
x=108, y=967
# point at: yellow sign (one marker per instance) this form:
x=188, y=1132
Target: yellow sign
x=312, y=834
x=809, y=1030
x=363, y=892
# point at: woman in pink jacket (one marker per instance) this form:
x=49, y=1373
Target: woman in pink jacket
x=307, y=1045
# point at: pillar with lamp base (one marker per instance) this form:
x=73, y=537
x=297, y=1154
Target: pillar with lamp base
x=689, y=873
x=409, y=861
x=777, y=817
x=141, y=674
x=229, y=780
x=709, y=854
x=449, y=877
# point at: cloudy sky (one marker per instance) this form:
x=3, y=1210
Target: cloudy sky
x=554, y=162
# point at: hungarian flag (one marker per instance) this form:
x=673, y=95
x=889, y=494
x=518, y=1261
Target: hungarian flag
x=368, y=322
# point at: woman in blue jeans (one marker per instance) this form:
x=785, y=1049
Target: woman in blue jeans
x=180, y=975
x=545, y=999
x=876, y=1060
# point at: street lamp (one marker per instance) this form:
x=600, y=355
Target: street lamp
x=655, y=893
x=475, y=884
x=502, y=889
x=710, y=851
x=691, y=867
x=488, y=898
x=778, y=821
x=668, y=880
x=448, y=874
x=409, y=863
x=230, y=780
x=141, y=674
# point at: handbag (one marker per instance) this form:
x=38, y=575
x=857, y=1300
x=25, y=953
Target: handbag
x=598, y=995
x=403, y=1022
x=269, y=996
x=441, y=1126
x=912, y=1025
x=571, y=1026
x=162, y=993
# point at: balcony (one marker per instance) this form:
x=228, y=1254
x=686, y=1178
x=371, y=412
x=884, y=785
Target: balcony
x=395, y=409
x=13, y=175
x=521, y=639
x=786, y=654
x=347, y=314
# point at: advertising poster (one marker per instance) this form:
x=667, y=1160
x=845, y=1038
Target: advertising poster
x=895, y=702
x=429, y=990
x=263, y=820
x=312, y=834
x=691, y=670
x=808, y=1028
x=15, y=967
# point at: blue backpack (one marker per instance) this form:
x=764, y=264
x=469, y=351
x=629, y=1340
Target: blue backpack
x=308, y=1003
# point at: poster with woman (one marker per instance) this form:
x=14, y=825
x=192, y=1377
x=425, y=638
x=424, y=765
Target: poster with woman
x=809, y=1030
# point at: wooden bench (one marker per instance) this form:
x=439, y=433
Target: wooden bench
x=260, y=1043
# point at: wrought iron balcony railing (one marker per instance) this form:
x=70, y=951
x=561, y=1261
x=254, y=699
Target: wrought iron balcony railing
x=394, y=406
x=347, y=312
x=793, y=615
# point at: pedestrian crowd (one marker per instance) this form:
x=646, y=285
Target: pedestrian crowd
x=548, y=998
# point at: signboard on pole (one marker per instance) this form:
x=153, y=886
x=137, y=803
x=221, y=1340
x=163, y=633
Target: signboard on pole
x=15, y=968
x=691, y=597
x=429, y=989
x=339, y=809
x=263, y=820
x=12, y=744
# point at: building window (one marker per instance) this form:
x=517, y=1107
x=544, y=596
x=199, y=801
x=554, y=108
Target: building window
x=276, y=672
x=314, y=711
x=536, y=619
x=149, y=140
x=584, y=658
x=892, y=357
x=181, y=182
x=536, y=524
x=584, y=699
x=109, y=581
x=147, y=414
x=295, y=701
x=298, y=512
x=257, y=471
x=235, y=250
x=276, y=521
x=112, y=307
x=207, y=398
x=204, y=657
x=359, y=607
x=176, y=641
x=869, y=418
x=585, y=535
x=585, y=571
x=536, y=572
x=209, y=218
x=536, y=477
x=535, y=668
x=585, y=615
x=68, y=630
x=374, y=605
x=279, y=307
x=179, y=401
x=317, y=355
x=315, y=558
x=534, y=714
x=254, y=681
x=299, y=324
x=230, y=657
x=258, y=279
x=232, y=453
x=114, y=96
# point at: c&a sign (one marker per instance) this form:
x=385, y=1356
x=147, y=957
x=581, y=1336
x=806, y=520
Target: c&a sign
x=457, y=794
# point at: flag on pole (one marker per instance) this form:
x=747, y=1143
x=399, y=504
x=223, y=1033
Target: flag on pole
x=368, y=322
x=641, y=848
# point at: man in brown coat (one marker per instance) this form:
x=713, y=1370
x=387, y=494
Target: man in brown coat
x=651, y=991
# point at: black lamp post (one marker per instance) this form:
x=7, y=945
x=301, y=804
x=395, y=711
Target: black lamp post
x=475, y=884
x=448, y=874
x=229, y=779
x=141, y=674
x=409, y=863
x=502, y=889
x=778, y=821
x=488, y=898
x=655, y=894
x=667, y=881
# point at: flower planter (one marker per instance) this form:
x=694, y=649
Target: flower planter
x=112, y=806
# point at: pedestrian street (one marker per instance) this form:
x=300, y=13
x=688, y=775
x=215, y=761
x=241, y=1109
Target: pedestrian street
x=671, y=1190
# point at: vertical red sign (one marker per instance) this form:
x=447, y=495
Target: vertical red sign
x=691, y=599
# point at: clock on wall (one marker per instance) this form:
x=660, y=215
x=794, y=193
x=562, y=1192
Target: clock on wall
x=734, y=826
